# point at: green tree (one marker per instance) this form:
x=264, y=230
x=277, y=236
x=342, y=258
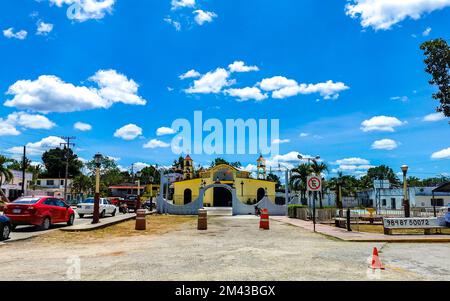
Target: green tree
x=319, y=169
x=219, y=161
x=382, y=172
x=274, y=178
x=5, y=175
x=437, y=63
x=150, y=175
x=110, y=174
x=82, y=184
x=55, y=163
x=298, y=179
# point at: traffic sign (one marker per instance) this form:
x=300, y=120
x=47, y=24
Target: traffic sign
x=314, y=183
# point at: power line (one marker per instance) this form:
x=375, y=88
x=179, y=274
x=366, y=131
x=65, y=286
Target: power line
x=67, y=146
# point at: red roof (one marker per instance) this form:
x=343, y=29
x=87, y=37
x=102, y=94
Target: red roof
x=188, y=158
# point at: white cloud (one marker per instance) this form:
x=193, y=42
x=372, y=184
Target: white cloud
x=83, y=10
x=434, y=117
x=190, y=74
x=277, y=83
x=239, y=66
x=7, y=129
x=138, y=166
x=43, y=28
x=354, y=165
x=442, y=154
x=280, y=141
x=383, y=14
x=155, y=143
x=176, y=4
x=248, y=93
x=386, y=144
x=38, y=148
x=426, y=32
x=303, y=135
x=202, y=17
x=81, y=126
x=400, y=98
x=211, y=82
x=50, y=94
x=174, y=23
x=10, y=34
x=381, y=123
x=128, y=132
x=283, y=87
x=30, y=121
x=165, y=131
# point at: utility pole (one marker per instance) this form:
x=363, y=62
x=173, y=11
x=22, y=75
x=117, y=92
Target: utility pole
x=67, y=146
x=24, y=167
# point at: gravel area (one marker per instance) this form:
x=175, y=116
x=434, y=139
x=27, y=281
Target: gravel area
x=233, y=248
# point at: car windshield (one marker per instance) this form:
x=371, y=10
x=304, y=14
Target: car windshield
x=89, y=201
x=26, y=201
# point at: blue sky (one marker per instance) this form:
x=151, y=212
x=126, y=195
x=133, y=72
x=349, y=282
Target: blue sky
x=345, y=79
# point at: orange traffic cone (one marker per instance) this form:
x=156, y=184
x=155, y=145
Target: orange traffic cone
x=264, y=222
x=376, y=262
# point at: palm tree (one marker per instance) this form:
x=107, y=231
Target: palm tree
x=319, y=169
x=5, y=175
x=298, y=179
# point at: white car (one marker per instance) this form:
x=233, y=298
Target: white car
x=87, y=207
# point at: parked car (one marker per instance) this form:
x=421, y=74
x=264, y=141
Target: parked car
x=131, y=201
x=5, y=227
x=116, y=200
x=39, y=211
x=87, y=207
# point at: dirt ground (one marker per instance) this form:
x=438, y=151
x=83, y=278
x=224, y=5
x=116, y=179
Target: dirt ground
x=233, y=248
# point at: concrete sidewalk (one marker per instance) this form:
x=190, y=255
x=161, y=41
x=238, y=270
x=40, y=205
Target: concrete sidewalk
x=344, y=235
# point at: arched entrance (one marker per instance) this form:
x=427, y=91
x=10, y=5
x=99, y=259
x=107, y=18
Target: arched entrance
x=222, y=197
x=187, y=196
x=260, y=194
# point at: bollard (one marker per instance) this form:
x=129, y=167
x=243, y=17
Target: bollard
x=264, y=221
x=141, y=222
x=349, y=225
x=202, y=219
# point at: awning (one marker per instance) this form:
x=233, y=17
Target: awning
x=443, y=188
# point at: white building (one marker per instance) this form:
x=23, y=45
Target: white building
x=13, y=189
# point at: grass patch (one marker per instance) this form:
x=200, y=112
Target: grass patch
x=156, y=225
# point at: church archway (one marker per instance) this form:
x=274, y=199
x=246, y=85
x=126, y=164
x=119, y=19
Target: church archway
x=222, y=197
x=260, y=194
x=187, y=196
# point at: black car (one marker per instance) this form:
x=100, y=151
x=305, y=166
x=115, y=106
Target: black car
x=5, y=227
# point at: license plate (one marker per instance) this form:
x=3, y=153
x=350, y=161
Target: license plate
x=16, y=211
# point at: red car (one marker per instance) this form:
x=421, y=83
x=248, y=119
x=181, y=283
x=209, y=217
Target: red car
x=39, y=211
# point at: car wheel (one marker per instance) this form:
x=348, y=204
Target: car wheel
x=102, y=215
x=45, y=224
x=81, y=215
x=113, y=213
x=5, y=231
x=71, y=219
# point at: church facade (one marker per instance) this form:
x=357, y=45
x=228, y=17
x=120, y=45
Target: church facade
x=249, y=190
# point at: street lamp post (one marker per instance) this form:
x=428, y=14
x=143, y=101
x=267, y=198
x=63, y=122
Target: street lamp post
x=406, y=204
x=138, y=199
x=309, y=159
x=98, y=161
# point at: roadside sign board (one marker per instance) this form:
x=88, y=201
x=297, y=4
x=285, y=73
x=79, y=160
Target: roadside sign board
x=314, y=183
x=405, y=223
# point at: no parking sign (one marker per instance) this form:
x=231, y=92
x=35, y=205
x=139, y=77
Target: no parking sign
x=314, y=183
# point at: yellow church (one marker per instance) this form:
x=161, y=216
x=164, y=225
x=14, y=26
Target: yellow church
x=249, y=190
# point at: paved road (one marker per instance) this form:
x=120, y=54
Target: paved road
x=233, y=248
x=25, y=232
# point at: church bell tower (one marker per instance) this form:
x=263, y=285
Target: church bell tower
x=188, y=168
x=261, y=168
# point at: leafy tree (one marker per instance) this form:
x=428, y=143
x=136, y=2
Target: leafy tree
x=437, y=60
x=274, y=178
x=149, y=173
x=5, y=176
x=319, y=169
x=178, y=165
x=82, y=184
x=110, y=173
x=55, y=163
x=382, y=172
x=219, y=161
